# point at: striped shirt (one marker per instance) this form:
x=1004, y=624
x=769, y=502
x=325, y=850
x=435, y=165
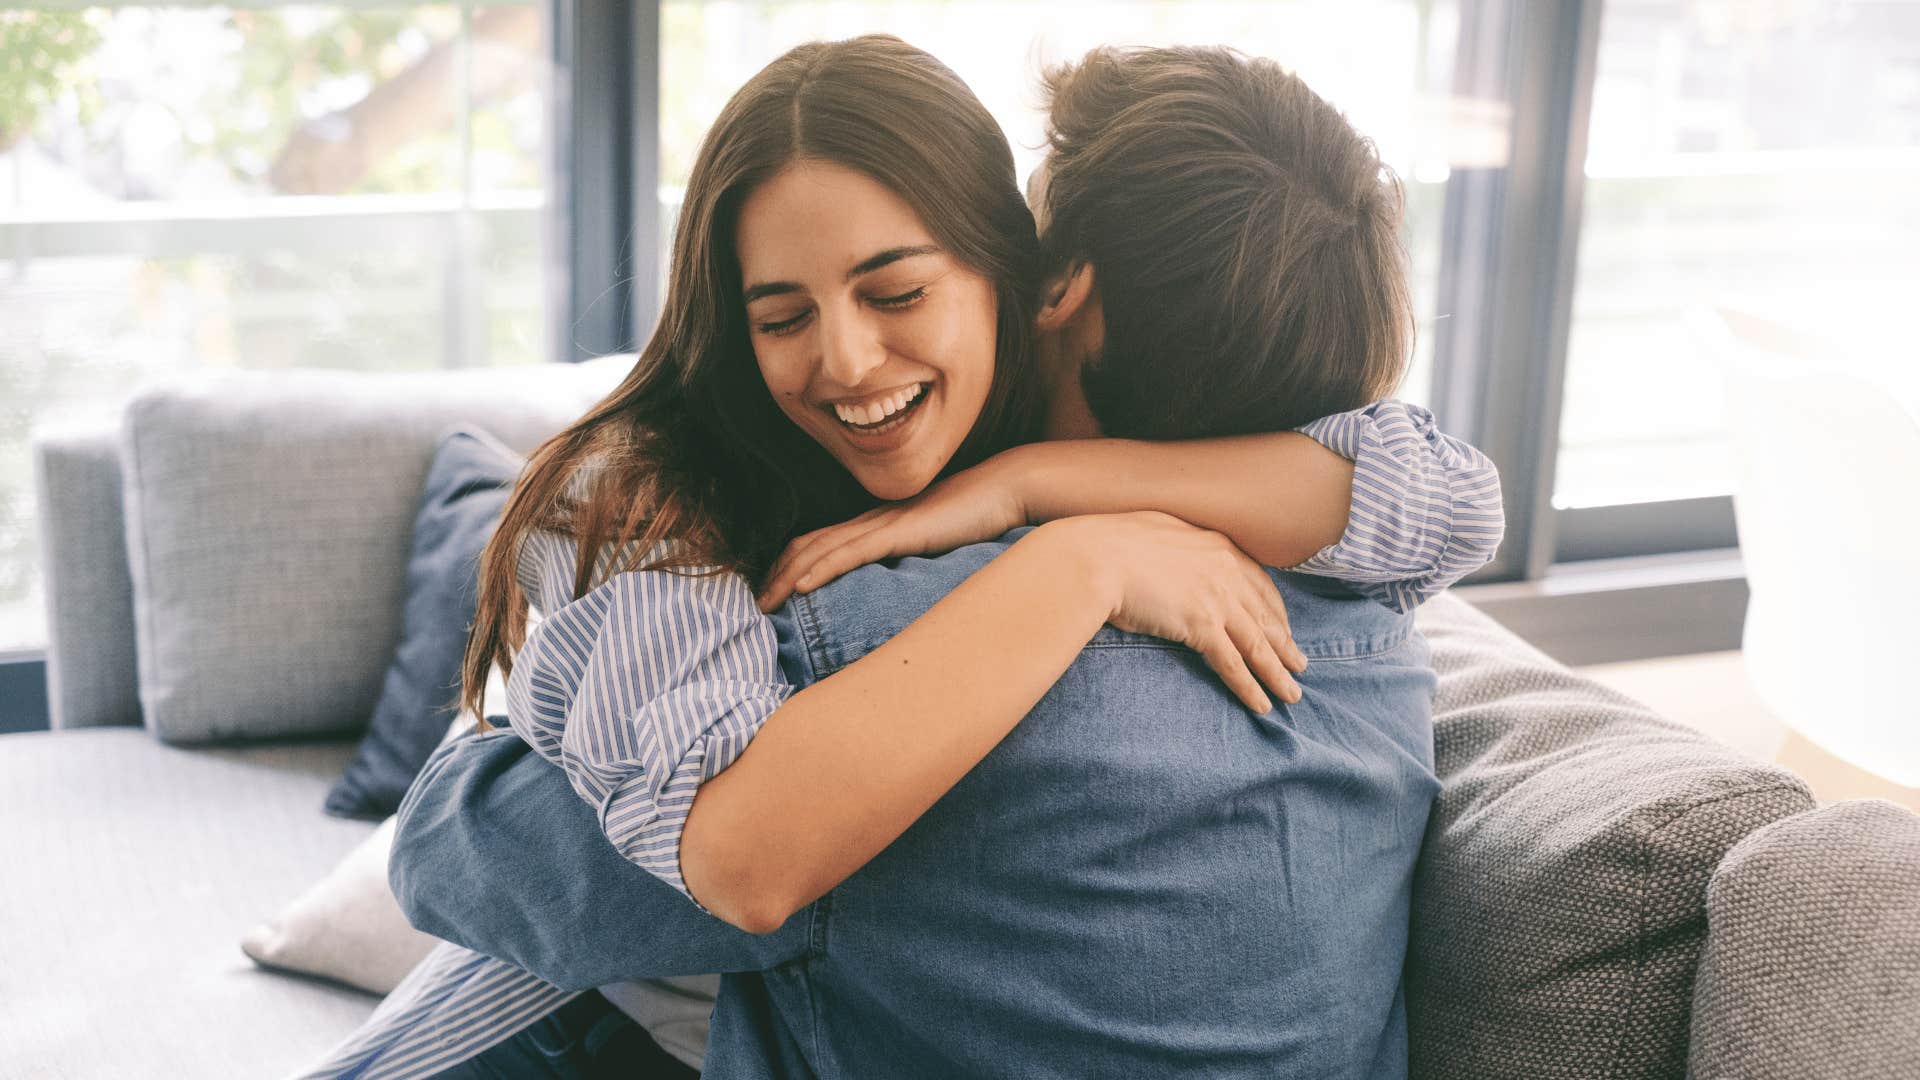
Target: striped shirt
x=654, y=682
x=1425, y=510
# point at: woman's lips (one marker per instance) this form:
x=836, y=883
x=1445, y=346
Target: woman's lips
x=888, y=434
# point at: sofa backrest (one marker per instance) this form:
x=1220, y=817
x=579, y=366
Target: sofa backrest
x=264, y=522
x=1559, y=906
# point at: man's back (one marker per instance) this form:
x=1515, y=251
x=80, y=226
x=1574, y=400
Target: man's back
x=1142, y=877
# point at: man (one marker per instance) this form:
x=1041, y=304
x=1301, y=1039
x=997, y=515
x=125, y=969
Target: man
x=1141, y=878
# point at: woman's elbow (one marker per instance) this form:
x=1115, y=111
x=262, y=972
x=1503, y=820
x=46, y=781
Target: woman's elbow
x=730, y=865
x=738, y=896
x=756, y=918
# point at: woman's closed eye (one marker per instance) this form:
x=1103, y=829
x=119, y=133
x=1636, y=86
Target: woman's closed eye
x=780, y=327
x=905, y=299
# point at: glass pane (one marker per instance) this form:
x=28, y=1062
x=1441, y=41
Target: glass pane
x=334, y=186
x=1763, y=154
x=1387, y=64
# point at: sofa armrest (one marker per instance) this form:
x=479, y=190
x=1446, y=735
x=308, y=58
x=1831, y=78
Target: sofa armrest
x=1559, y=906
x=91, y=669
x=1812, y=964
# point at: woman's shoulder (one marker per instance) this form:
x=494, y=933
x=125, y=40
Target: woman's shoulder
x=549, y=561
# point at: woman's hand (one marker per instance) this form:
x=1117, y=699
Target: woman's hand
x=1194, y=586
x=970, y=506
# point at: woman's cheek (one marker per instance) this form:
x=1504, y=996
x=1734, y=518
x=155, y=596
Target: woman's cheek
x=965, y=342
x=785, y=379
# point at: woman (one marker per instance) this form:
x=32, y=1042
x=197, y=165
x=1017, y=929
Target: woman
x=856, y=205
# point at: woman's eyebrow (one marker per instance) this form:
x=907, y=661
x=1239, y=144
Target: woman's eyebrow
x=891, y=255
x=866, y=266
x=768, y=288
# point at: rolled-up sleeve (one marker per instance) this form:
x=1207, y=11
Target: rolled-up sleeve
x=494, y=851
x=641, y=690
x=1426, y=506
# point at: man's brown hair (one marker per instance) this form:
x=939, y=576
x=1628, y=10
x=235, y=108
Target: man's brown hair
x=1243, y=237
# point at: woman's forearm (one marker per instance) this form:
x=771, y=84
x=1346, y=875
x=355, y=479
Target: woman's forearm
x=1281, y=497
x=846, y=765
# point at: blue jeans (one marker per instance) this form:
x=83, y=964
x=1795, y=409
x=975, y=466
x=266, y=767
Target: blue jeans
x=585, y=1039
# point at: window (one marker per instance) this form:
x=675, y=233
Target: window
x=339, y=185
x=1760, y=154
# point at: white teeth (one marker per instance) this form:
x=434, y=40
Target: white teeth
x=872, y=412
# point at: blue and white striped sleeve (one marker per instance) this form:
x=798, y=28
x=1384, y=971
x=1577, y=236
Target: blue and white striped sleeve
x=1426, y=506
x=641, y=690
x=453, y=1006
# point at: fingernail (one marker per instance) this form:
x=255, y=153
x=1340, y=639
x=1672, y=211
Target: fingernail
x=1264, y=707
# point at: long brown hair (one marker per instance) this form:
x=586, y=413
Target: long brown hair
x=691, y=446
x=1245, y=240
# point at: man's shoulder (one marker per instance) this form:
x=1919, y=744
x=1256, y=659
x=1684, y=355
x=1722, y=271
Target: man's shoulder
x=843, y=620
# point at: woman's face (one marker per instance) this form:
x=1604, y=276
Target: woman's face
x=871, y=337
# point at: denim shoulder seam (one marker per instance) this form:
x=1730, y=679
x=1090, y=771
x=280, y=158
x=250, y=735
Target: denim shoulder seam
x=811, y=637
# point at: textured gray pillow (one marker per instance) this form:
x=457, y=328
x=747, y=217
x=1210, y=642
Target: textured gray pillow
x=1812, y=967
x=1559, y=905
x=268, y=518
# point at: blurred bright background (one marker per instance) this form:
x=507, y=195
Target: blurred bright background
x=371, y=186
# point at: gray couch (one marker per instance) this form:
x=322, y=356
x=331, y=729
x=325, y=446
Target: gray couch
x=1603, y=893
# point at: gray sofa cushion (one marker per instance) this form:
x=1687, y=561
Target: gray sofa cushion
x=1559, y=903
x=467, y=485
x=128, y=872
x=1813, y=943
x=267, y=522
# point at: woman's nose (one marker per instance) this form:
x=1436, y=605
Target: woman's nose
x=850, y=350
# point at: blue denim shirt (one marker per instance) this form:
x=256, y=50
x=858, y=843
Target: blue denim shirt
x=1142, y=878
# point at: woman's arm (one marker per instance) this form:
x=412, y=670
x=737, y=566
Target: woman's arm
x=1281, y=497
x=1378, y=497
x=655, y=683
x=830, y=781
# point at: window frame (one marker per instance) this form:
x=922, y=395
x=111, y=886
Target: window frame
x=1579, y=582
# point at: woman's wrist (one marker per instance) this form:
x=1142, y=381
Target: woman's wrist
x=1072, y=546
x=1013, y=474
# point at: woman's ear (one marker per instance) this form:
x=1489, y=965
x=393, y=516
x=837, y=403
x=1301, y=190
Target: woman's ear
x=1064, y=294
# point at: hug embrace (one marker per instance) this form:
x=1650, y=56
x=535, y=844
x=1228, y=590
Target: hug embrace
x=976, y=637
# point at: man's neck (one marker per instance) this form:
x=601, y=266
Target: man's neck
x=1068, y=414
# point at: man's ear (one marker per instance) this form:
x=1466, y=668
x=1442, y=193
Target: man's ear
x=1065, y=294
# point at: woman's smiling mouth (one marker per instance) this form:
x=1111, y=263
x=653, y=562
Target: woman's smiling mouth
x=880, y=415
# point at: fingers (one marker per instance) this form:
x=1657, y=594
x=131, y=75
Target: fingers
x=1250, y=637
x=1278, y=627
x=1226, y=661
x=799, y=555
x=858, y=552
x=797, y=568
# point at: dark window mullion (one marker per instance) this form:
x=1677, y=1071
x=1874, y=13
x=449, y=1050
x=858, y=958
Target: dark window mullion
x=603, y=223
x=1510, y=236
